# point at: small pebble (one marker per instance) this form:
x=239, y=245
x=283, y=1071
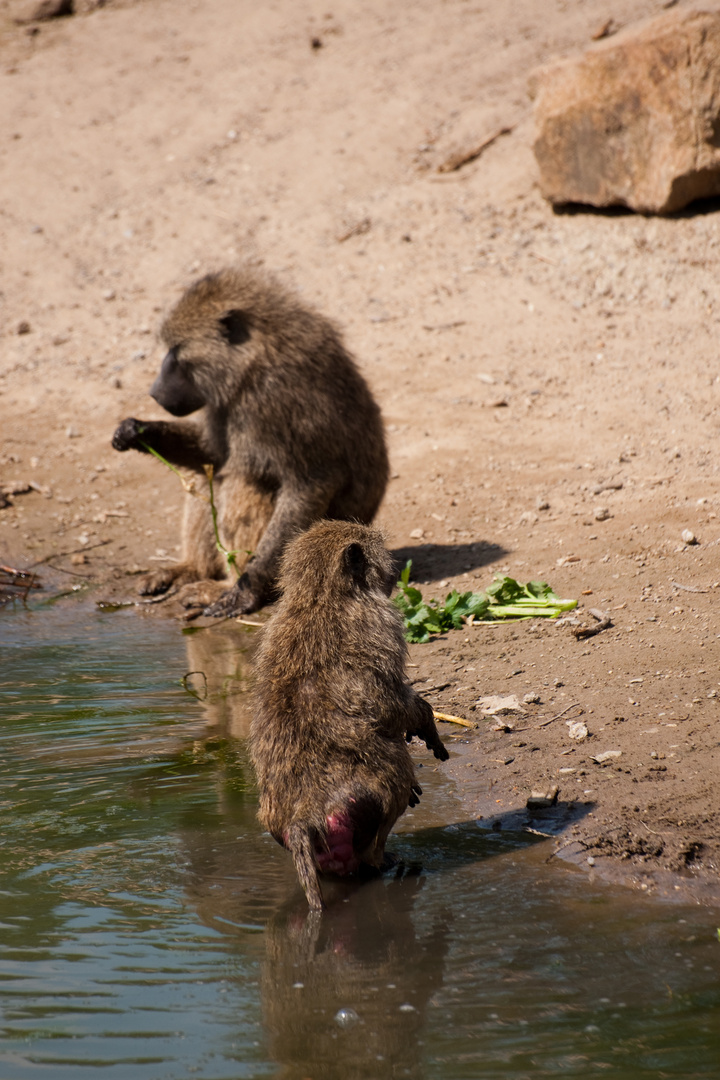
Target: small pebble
x=601, y=513
x=607, y=755
x=417, y=534
x=532, y=699
x=590, y=860
x=688, y=537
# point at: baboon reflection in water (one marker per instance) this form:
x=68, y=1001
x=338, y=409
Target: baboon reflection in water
x=347, y=995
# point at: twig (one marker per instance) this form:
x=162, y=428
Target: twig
x=23, y=580
x=543, y=258
x=189, y=689
x=62, y=554
x=575, y=705
x=360, y=227
x=568, y=843
x=446, y=326
x=652, y=830
x=247, y=622
x=604, y=621
x=453, y=719
x=72, y=573
x=687, y=588
x=464, y=157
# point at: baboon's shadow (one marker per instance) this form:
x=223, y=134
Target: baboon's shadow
x=433, y=561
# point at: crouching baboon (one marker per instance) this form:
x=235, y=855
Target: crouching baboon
x=333, y=710
x=288, y=424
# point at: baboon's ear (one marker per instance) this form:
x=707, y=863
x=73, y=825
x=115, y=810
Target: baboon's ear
x=355, y=562
x=234, y=327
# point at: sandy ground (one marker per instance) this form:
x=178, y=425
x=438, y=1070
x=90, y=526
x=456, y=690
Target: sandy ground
x=524, y=360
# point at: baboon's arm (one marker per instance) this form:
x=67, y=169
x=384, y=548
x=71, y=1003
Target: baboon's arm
x=179, y=442
x=421, y=722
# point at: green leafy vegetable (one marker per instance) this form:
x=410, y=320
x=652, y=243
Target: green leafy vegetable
x=505, y=598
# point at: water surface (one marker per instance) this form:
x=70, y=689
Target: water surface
x=149, y=930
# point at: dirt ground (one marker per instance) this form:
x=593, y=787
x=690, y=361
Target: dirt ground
x=550, y=381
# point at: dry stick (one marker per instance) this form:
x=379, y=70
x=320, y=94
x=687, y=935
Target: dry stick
x=14, y=572
x=360, y=227
x=189, y=689
x=575, y=705
x=62, y=554
x=453, y=719
x=72, y=573
x=543, y=258
x=687, y=588
x=22, y=581
x=568, y=843
x=446, y=326
x=464, y=157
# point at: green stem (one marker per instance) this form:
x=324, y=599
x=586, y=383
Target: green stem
x=229, y=556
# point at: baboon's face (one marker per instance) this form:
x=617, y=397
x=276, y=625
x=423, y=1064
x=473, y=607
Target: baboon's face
x=174, y=390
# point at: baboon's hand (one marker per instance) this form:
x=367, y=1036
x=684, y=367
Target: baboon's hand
x=425, y=729
x=242, y=599
x=415, y=793
x=438, y=747
x=128, y=435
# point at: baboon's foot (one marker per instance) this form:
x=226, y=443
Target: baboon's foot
x=200, y=594
x=242, y=599
x=159, y=581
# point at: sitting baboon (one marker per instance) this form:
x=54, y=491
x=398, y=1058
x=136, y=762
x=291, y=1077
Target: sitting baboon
x=288, y=425
x=333, y=709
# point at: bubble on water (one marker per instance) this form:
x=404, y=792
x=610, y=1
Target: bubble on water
x=346, y=1017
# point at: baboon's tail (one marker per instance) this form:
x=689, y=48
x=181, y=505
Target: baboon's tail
x=298, y=843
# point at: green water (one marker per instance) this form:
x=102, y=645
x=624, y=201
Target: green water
x=148, y=930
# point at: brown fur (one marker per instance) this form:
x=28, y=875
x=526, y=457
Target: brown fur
x=333, y=709
x=286, y=420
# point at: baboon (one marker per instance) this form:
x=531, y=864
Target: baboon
x=288, y=424
x=333, y=709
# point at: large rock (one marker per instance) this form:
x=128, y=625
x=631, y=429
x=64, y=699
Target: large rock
x=635, y=120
